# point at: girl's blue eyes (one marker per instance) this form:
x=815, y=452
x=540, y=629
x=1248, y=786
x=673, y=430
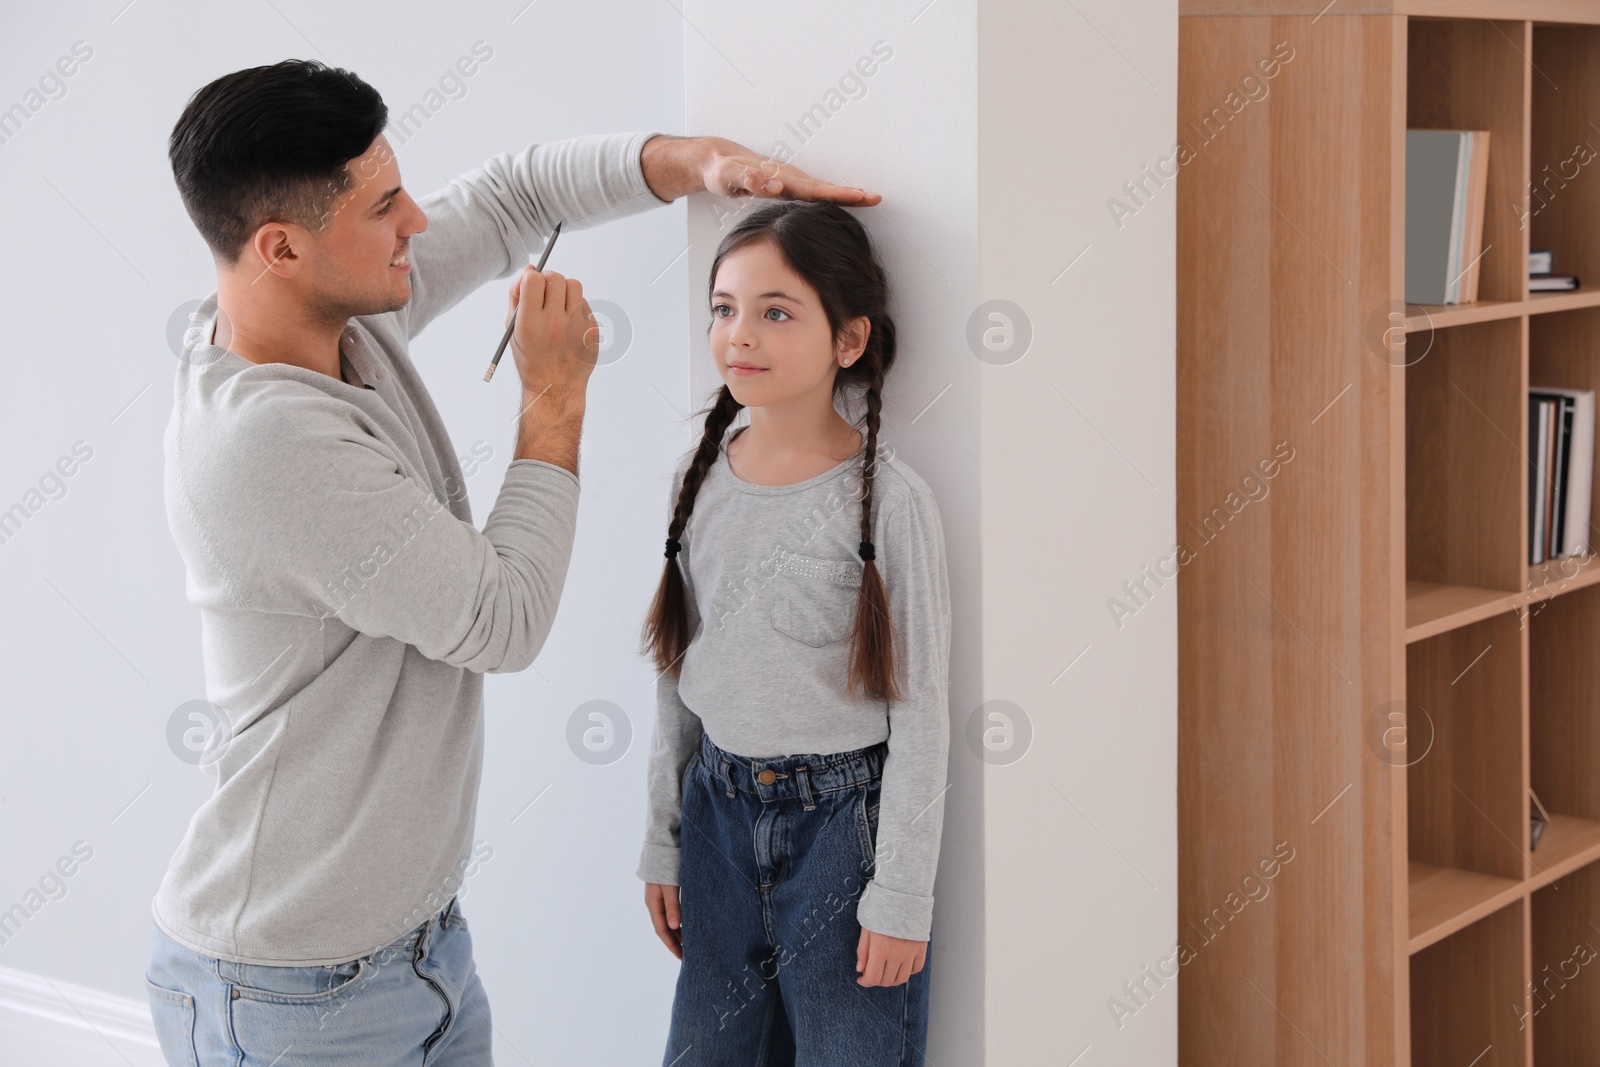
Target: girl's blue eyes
x=717, y=307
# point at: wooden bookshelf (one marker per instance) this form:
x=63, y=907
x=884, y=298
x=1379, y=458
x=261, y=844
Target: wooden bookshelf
x=1369, y=669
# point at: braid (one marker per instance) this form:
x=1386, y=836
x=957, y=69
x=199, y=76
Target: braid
x=872, y=660
x=666, y=631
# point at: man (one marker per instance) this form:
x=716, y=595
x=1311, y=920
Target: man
x=350, y=607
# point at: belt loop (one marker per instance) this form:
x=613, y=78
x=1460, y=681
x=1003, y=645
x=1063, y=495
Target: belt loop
x=727, y=775
x=802, y=778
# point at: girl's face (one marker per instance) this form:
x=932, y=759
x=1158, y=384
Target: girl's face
x=769, y=334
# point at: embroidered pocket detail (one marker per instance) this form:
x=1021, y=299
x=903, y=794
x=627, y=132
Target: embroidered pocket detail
x=814, y=600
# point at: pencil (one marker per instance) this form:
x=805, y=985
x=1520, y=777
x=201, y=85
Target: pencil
x=505, y=338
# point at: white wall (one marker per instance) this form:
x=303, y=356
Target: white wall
x=1078, y=496
x=997, y=130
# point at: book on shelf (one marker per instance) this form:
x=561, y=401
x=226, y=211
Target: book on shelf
x=1540, y=262
x=1447, y=173
x=1551, y=283
x=1561, y=451
x=1538, y=435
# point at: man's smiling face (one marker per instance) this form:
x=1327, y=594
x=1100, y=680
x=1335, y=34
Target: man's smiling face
x=360, y=263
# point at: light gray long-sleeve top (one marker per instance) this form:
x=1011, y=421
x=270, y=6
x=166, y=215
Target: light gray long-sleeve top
x=349, y=607
x=772, y=573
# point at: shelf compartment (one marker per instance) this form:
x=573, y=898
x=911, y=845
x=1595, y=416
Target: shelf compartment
x=1564, y=987
x=1465, y=413
x=1466, y=787
x=1463, y=989
x=1471, y=74
x=1563, y=698
x=1564, y=352
x=1562, y=197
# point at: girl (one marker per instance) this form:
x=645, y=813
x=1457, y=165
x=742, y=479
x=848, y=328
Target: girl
x=801, y=632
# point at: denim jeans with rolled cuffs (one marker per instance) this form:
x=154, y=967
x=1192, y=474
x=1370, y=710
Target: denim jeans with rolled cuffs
x=774, y=854
x=416, y=1002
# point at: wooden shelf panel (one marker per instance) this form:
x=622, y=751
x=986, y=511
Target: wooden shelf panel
x=1585, y=296
x=1563, y=11
x=1445, y=899
x=1546, y=580
x=1566, y=844
x=1423, y=317
x=1433, y=608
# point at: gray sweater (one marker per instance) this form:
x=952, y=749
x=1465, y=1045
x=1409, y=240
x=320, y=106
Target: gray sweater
x=349, y=607
x=772, y=574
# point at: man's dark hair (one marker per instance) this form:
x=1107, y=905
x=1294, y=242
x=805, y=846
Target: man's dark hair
x=270, y=144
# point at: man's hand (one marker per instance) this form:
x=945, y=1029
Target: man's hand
x=885, y=960
x=661, y=901
x=678, y=166
x=556, y=344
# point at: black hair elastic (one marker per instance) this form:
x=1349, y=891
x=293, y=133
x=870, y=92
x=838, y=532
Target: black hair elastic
x=867, y=550
x=672, y=548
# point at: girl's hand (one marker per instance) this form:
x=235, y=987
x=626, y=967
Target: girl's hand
x=661, y=901
x=885, y=960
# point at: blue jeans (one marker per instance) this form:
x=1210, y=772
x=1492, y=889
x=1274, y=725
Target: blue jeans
x=416, y=1001
x=771, y=866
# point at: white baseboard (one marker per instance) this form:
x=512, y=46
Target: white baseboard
x=51, y=1023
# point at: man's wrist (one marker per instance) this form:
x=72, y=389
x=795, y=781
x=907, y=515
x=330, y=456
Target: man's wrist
x=673, y=165
x=551, y=401
x=551, y=433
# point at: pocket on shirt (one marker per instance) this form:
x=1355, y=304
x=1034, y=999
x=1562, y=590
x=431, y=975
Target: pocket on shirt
x=814, y=600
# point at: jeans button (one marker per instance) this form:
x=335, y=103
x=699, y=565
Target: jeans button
x=767, y=777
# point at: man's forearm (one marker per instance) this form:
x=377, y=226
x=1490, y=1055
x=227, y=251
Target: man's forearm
x=550, y=427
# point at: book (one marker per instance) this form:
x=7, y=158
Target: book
x=1446, y=180
x=1552, y=448
x=1472, y=251
x=1538, y=444
x=1539, y=261
x=1551, y=283
x=1558, y=513
x=1578, y=471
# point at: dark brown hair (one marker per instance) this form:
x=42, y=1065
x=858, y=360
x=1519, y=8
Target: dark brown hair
x=827, y=247
x=270, y=144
